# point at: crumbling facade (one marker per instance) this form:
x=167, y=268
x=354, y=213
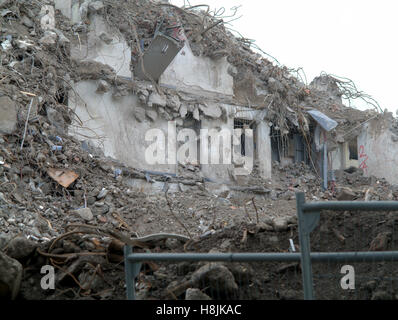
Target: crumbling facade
x=201, y=89
x=82, y=78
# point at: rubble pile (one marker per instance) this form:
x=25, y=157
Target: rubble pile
x=62, y=203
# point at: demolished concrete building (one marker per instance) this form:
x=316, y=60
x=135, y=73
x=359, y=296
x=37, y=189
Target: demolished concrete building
x=163, y=67
x=80, y=79
x=204, y=79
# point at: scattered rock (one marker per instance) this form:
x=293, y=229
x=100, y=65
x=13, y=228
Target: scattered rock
x=157, y=99
x=27, y=22
x=8, y=115
x=195, y=114
x=293, y=267
x=172, y=244
x=61, y=37
x=183, y=110
x=243, y=274
x=217, y=277
x=96, y=6
x=102, y=194
x=152, y=114
x=195, y=294
x=346, y=194
x=49, y=38
x=280, y=224
x=173, y=102
x=85, y=213
x=380, y=243
x=20, y=248
x=211, y=110
x=264, y=227
x=10, y=277
x=226, y=244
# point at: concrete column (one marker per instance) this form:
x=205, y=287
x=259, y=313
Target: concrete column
x=75, y=13
x=264, y=149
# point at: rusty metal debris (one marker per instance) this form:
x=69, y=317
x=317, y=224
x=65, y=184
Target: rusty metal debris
x=64, y=177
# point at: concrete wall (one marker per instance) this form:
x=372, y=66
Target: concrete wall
x=103, y=44
x=111, y=124
x=336, y=158
x=377, y=152
x=196, y=74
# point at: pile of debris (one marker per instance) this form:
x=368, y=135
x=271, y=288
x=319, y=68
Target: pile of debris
x=63, y=204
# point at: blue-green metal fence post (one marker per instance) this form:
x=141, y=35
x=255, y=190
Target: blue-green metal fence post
x=132, y=271
x=130, y=283
x=306, y=223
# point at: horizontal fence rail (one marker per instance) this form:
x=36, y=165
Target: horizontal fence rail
x=266, y=257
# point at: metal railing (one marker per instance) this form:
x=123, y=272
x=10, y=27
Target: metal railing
x=308, y=219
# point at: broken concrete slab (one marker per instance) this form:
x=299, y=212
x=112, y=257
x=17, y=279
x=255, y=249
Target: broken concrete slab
x=20, y=248
x=195, y=114
x=346, y=194
x=61, y=37
x=95, y=6
x=211, y=110
x=173, y=102
x=183, y=110
x=216, y=276
x=8, y=115
x=47, y=20
x=85, y=213
x=49, y=38
x=280, y=224
x=157, y=99
x=27, y=22
x=152, y=114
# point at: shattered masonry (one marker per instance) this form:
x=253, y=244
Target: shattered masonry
x=80, y=84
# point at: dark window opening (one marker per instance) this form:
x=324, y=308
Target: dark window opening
x=292, y=147
x=243, y=124
x=353, y=149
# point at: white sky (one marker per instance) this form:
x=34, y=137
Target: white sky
x=357, y=39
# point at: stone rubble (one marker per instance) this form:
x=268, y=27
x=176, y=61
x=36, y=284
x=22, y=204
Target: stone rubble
x=36, y=211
